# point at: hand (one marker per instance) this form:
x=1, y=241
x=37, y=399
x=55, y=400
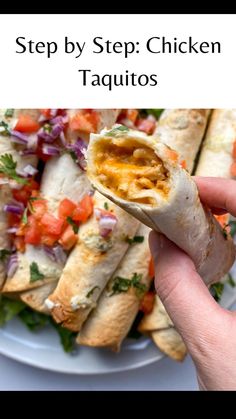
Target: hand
x=208, y=330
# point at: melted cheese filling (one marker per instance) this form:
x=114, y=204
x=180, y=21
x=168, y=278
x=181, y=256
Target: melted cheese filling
x=131, y=170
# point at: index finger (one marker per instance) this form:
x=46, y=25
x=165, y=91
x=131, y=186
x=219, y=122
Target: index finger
x=217, y=192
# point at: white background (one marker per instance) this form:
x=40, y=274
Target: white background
x=185, y=80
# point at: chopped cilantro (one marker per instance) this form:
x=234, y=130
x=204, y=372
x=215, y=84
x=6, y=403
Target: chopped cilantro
x=8, y=168
x=73, y=224
x=35, y=274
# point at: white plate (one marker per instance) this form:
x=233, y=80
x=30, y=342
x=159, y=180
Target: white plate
x=42, y=349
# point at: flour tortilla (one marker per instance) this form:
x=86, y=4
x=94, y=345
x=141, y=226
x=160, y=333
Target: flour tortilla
x=157, y=319
x=173, y=209
x=216, y=154
x=170, y=342
x=88, y=266
x=35, y=298
x=183, y=130
x=110, y=321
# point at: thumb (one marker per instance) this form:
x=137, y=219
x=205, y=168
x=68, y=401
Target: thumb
x=182, y=291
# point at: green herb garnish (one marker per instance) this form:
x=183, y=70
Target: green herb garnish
x=9, y=309
x=116, y=131
x=8, y=167
x=67, y=337
x=224, y=231
x=106, y=206
x=73, y=224
x=217, y=290
x=25, y=216
x=9, y=113
x=90, y=293
x=35, y=274
x=232, y=225
x=231, y=281
x=124, y=284
x=4, y=253
x=155, y=112
x=6, y=130
x=32, y=319
x=135, y=239
x=47, y=128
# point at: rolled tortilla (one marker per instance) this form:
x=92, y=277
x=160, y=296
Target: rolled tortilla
x=62, y=178
x=183, y=131
x=8, y=147
x=90, y=266
x=35, y=298
x=110, y=321
x=143, y=177
x=170, y=342
x=157, y=319
x=216, y=154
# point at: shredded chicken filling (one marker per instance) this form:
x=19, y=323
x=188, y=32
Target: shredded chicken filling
x=131, y=170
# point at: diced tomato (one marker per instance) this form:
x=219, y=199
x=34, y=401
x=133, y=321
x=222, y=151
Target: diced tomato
x=48, y=239
x=84, y=209
x=39, y=207
x=19, y=243
x=172, y=154
x=68, y=238
x=13, y=220
x=145, y=125
x=86, y=122
x=151, y=270
x=66, y=208
x=51, y=224
x=132, y=114
x=223, y=220
x=21, y=230
x=41, y=155
x=26, y=123
x=234, y=150
x=31, y=185
x=233, y=169
x=183, y=164
x=46, y=113
x=147, y=302
x=21, y=195
x=32, y=231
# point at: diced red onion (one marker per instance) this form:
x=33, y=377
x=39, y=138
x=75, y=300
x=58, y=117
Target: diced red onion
x=106, y=220
x=49, y=252
x=56, y=130
x=46, y=136
x=53, y=112
x=63, y=138
x=56, y=254
x=12, y=230
x=79, y=148
x=60, y=255
x=91, y=192
x=30, y=170
x=14, y=209
x=50, y=150
x=42, y=118
x=18, y=137
x=32, y=142
x=12, y=265
x=21, y=173
x=27, y=152
x=60, y=120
